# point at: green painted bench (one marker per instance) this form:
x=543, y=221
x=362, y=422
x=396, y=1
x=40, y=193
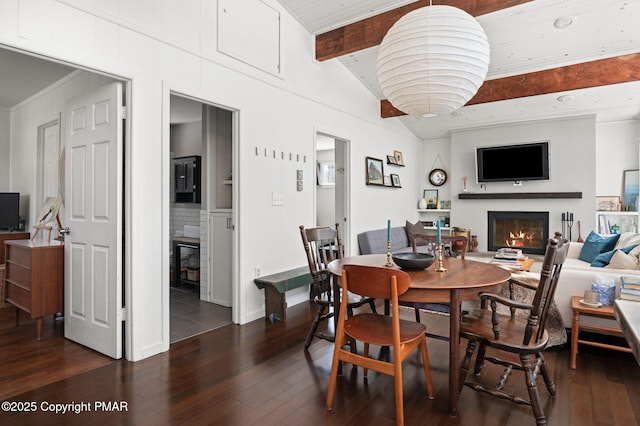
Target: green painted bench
x=275, y=287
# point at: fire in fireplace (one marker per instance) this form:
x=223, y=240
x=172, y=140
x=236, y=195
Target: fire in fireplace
x=528, y=231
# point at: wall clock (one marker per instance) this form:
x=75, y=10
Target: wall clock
x=437, y=177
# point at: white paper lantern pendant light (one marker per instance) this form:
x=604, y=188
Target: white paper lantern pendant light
x=432, y=61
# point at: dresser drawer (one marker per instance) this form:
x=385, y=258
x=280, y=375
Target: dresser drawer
x=19, y=297
x=19, y=255
x=18, y=275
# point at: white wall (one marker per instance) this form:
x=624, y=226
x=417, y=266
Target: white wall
x=186, y=139
x=5, y=149
x=616, y=151
x=586, y=157
x=572, y=162
x=163, y=46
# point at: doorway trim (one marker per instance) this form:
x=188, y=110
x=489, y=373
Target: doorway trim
x=342, y=149
x=167, y=91
x=128, y=81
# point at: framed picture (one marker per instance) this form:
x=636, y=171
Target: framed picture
x=398, y=157
x=387, y=180
x=608, y=204
x=431, y=195
x=375, y=172
x=391, y=159
x=630, y=190
x=395, y=181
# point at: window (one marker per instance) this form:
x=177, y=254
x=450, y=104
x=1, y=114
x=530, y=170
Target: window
x=326, y=174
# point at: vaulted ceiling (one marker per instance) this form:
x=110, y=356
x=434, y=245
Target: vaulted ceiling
x=549, y=58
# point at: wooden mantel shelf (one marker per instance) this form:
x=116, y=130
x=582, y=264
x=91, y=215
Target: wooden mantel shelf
x=516, y=195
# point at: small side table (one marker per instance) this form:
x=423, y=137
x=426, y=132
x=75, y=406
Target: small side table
x=601, y=312
x=179, y=243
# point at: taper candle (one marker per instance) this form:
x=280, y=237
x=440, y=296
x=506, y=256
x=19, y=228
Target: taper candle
x=389, y=230
x=439, y=233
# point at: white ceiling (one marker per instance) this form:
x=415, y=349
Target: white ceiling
x=183, y=110
x=523, y=39
x=22, y=76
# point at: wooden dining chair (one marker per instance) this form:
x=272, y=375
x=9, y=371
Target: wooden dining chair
x=381, y=330
x=323, y=245
x=526, y=338
x=429, y=244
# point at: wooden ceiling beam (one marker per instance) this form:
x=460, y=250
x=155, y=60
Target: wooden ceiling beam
x=602, y=72
x=370, y=31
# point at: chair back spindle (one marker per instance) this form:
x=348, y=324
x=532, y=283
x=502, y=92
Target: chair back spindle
x=554, y=258
x=322, y=246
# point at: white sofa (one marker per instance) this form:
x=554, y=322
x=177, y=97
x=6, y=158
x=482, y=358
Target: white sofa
x=577, y=276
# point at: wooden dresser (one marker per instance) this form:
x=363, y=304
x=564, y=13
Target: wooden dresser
x=7, y=235
x=35, y=278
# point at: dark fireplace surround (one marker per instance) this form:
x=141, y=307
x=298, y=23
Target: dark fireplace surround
x=528, y=231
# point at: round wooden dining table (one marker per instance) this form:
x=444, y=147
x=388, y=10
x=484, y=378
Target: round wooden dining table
x=462, y=280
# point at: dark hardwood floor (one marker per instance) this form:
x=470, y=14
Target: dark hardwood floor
x=258, y=373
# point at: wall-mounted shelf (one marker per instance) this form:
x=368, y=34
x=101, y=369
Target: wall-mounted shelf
x=516, y=195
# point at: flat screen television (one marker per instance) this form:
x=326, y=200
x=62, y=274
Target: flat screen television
x=513, y=163
x=9, y=210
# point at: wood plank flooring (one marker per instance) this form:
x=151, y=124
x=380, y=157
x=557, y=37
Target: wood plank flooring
x=258, y=373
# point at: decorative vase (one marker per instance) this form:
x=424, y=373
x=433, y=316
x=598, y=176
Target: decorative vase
x=422, y=204
x=474, y=243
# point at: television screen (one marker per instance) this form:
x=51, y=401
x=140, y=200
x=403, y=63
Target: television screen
x=9, y=210
x=513, y=162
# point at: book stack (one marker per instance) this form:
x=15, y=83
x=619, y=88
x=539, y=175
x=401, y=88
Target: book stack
x=630, y=287
x=509, y=257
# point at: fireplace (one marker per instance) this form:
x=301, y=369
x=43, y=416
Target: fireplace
x=527, y=231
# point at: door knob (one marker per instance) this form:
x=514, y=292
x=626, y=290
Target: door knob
x=64, y=231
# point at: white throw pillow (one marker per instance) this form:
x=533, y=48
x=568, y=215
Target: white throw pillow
x=635, y=253
x=621, y=260
x=627, y=239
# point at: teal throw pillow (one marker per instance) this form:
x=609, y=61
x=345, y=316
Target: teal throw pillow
x=594, y=244
x=603, y=259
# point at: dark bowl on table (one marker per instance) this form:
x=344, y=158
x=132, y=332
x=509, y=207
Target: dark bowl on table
x=413, y=261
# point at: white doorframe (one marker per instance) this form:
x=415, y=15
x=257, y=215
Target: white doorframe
x=342, y=210
x=167, y=91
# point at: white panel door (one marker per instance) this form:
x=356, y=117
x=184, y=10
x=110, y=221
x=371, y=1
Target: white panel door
x=93, y=213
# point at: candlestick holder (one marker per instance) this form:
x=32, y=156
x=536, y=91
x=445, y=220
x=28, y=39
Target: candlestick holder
x=440, y=267
x=388, y=264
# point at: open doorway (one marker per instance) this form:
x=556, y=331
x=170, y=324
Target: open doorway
x=332, y=201
x=36, y=106
x=200, y=215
